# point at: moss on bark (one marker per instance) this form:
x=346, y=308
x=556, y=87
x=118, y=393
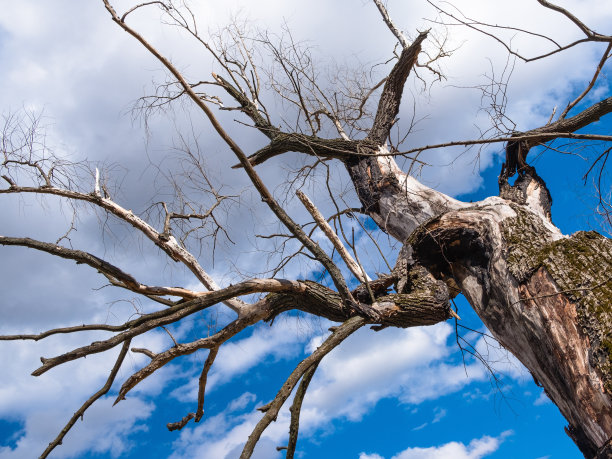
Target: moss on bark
x=580, y=265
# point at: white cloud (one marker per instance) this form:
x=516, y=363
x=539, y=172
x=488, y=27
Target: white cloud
x=420, y=427
x=476, y=449
x=354, y=377
x=70, y=58
x=542, y=399
x=105, y=429
x=440, y=413
x=237, y=357
x=242, y=402
x=281, y=341
x=403, y=363
x=370, y=456
x=222, y=436
x=43, y=404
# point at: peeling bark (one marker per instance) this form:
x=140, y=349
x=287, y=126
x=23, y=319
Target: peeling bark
x=545, y=297
x=396, y=201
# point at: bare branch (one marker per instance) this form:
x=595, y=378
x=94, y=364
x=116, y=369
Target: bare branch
x=539, y=135
x=180, y=424
x=587, y=31
x=157, y=319
x=116, y=275
x=332, y=236
x=212, y=342
x=603, y=60
x=339, y=335
x=167, y=243
x=388, y=105
x=255, y=179
x=146, y=352
x=81, y=411
x=131, y=10
x=591, y=36
x=64, y=330
x=449, y=246
x=392, y=27
x=295, y=409
x=212, y=354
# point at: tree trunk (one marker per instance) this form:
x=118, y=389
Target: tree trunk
x=544, y=297
x=547, y=298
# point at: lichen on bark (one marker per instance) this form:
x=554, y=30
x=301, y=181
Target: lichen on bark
x=581, y=267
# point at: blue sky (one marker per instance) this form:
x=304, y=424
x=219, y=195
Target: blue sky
x=395, y=394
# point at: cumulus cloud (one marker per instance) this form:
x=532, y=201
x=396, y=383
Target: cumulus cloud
x=282, y=341
x=222, y=436
x=279, y=342
x=353, y=378
x=71, y=60
x=349, y=382
x=476, y=449
x=105, y=429
x=43, y=404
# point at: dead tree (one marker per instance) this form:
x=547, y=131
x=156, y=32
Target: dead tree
x=546, y=297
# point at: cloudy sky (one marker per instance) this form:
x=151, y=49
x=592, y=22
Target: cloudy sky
x=392, y=394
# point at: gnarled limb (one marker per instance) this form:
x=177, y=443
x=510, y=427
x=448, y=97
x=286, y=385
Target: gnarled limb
x=568, y=125
x=521, y=277
x=160, y=318
x=249, y=108
x=311, y=145
x=390, y=99
x=397, y=202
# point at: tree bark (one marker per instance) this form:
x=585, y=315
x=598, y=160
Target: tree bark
x=544, y=296
x=547, y=298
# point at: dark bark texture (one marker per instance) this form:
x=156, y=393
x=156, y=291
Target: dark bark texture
x=546, y=298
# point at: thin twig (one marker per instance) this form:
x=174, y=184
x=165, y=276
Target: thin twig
x=79, y=413
x=339, y=335
x=603, y=60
